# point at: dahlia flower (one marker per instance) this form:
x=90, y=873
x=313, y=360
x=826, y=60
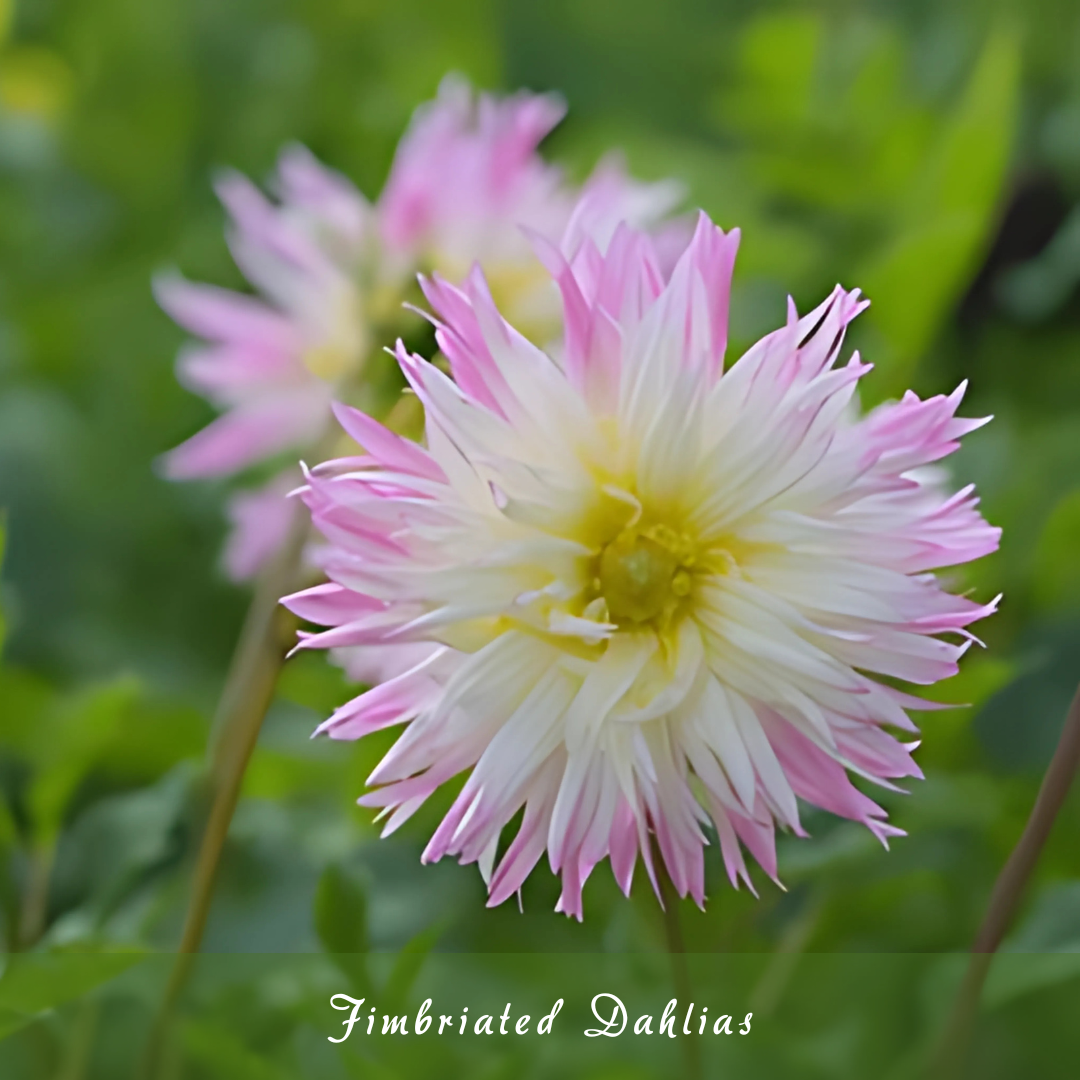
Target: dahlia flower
x=653, y=594
x=467, y=183
x=333, y=270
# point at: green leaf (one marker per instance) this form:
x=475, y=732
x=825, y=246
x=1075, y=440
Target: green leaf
x=1057, y=568
x=912, y=284
x=779, y=54
x=7, y=8
x=25, y=702
x=33, y=983
x=980, y=676
x=1016, y=974
x=8, y=831
x=948, y=216
x=68, y=749
x=408, y=964
x=11, y=1020
x=341, y=923
x=341, y=913
x=366, y=1067
x=3, y=537
x=312, y=681
x=1053, y=924
x=222, y=1054
x=279, y=776
x=949, y=733
x=1038, y=288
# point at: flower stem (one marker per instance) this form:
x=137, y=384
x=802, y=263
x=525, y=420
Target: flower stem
x=249, y=690
x=1008, y=892
x=35, y=902
x=773, y=983
x=680, y=972
x=81, y=1045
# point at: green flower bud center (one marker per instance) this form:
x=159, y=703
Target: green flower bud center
x=642, y=575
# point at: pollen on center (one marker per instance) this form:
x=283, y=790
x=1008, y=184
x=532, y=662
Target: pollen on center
x=644, y=573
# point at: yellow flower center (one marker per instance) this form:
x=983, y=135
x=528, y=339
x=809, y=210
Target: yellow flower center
x=329, y=362
x=520, y=286
x=345, y=344
x=644, y=574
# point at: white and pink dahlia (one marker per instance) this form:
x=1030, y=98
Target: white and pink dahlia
x=272, y=363
x=332, y=270
x=467, y=185
x=654, y=593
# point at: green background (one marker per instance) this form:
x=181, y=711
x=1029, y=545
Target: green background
x=926, y=151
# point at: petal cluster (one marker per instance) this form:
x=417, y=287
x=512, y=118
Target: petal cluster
x=270, y=362
x=650, y=597
x=331, y=270
x=467, y=184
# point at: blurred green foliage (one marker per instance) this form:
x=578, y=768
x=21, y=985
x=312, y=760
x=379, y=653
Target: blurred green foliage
x=928, y=152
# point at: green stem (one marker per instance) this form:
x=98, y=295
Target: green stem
x=35, y=901
x=951, y=1052
x=81, y=1046
x=680, y=971
x=249, y=690
x=267, y=634
x=775, y=979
